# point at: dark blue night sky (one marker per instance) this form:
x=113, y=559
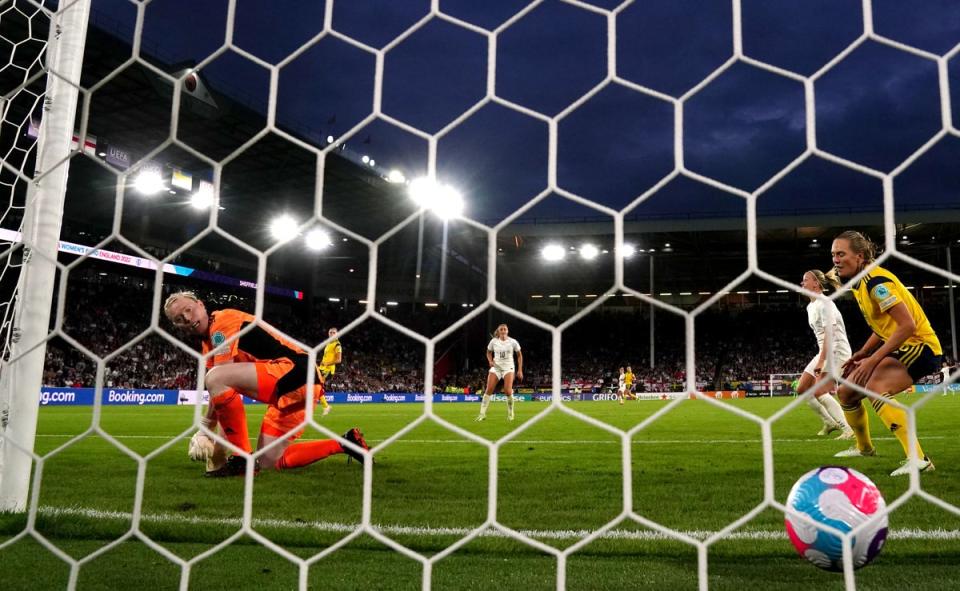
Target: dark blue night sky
x=875, y=107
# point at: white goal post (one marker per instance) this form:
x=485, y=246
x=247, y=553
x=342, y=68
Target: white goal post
x=22, y=365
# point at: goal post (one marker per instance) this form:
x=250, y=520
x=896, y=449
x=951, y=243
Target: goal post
x=40, y=232
x=781, y=384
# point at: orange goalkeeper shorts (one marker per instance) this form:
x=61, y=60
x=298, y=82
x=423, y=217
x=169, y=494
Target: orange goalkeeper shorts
x=282, y=376
x=288, y=413
x=268, y=374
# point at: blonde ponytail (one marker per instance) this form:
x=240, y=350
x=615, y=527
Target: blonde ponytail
x=829, y=281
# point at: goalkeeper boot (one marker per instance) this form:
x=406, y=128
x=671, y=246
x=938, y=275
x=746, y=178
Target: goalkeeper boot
x=355, y=437
x=235, y=466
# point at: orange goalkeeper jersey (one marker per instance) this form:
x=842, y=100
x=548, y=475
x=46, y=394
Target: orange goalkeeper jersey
x=259, y=344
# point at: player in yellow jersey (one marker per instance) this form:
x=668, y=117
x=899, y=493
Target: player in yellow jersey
x=902, y=349
x=628, y=379
x=332, y=357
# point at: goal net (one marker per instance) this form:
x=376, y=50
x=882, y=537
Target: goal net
x=509, y=197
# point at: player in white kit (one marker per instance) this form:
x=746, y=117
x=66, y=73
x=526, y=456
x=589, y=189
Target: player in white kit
x=823, y=315
x=500, y=358
x=621, y=385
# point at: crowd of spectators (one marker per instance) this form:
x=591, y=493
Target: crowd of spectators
x=736, y=348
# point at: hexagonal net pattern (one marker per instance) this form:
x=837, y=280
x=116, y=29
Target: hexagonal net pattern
x=22, y=100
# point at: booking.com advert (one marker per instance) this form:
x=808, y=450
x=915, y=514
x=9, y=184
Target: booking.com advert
x=114, y=396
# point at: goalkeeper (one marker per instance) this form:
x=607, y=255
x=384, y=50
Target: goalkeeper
x=259, y=364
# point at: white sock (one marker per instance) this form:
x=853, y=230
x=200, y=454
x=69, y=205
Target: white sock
x=510, y=404
x=814, y=403
x=833, y=409
x=484, y=404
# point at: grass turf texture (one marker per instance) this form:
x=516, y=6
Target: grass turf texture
x=697, y=468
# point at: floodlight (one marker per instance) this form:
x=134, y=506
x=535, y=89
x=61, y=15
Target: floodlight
x=203, y=198
x=588, y=252
x=149, y=182
x=283, y=228
x=443, y=200
x=628, y=251
x=317, y=239
x=449, y=203
x=365, y=159
x=395, y=176
x=421, y=191
x=553, y=252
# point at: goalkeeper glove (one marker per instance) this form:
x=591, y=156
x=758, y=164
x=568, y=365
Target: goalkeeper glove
x=201, y=447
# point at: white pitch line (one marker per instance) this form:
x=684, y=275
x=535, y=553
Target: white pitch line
x=334, y=527
x=545, y=441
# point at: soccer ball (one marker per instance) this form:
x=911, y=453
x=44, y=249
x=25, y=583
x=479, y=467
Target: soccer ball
x=842, y=498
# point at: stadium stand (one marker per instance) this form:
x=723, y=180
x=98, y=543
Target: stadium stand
x=737, y=347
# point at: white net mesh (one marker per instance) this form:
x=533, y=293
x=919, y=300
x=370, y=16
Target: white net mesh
x=22, y=100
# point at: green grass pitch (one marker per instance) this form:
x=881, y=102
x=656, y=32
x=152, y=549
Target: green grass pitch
x=696, y=469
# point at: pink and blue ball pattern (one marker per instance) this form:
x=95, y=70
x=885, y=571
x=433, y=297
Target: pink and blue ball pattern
x=843, y=499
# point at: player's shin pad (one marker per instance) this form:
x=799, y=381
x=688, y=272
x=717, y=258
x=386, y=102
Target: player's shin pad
x=857, y=418
x=484, y=404
x=895, y=420
x=232, y=418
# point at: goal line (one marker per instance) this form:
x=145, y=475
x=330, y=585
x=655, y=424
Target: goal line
x=568, y=534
